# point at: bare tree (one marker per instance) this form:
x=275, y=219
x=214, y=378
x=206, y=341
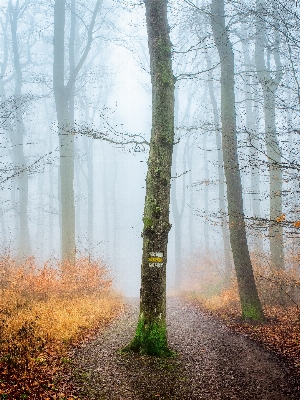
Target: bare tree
x=64, y=100
x=250, y=303
x=269, y=86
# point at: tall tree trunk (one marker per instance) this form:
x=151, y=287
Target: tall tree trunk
x=222, y=202
x=206, y=193
x=269, y=86
x=90, y=183
x=151, y=332
x=252, y=138
x=64, y=101
x=66, y=144
x=178, y=207
x=18, y=138
x=177, y=210
x=250, y=303
x=40, y=231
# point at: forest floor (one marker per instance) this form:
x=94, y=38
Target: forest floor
x=212, y=363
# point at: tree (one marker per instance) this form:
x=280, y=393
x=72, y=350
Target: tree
x=222, y=202
x=250, y=303
x=269, y=86
x=151, y=332
x=14, y=125
x=64, y=101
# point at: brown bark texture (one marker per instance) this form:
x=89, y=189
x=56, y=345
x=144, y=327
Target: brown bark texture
x=151, y=336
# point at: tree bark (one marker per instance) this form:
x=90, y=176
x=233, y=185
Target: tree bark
x=151, y=332
x=250, y=303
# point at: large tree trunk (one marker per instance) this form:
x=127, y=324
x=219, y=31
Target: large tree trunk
x=269, y=86
x=250, y=303
x=151, y=333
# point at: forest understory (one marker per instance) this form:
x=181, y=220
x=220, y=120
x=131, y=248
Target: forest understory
x=212, y=362
x=62, y=329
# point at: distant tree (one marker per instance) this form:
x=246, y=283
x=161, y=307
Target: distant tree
x=64, y=100
x=269, y=83
x=222, y=200
x=250, y=303
x=14, y=125
x=151, y=332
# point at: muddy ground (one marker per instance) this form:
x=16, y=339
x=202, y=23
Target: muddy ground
x=211, y=363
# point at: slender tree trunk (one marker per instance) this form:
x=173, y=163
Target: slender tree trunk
x=3, y=227
x=177, y=210
x=66, y=143
x=274, y=153
x=250, y=303
x=269, y=86
x=90, y=174
x=206, y=193
x=151, y=333
x=18, y=137
x=252, y=139
x=40, y=231
x=190, y=158
x=51, y=208
x=178, y=206
x=221, y=176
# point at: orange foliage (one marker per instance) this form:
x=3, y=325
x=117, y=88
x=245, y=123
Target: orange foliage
x=281, y=218
x=41, y=311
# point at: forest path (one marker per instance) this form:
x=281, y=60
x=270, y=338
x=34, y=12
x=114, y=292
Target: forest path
x=212, y=363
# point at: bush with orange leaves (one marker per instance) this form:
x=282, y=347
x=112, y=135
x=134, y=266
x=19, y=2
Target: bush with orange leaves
x=43, y=309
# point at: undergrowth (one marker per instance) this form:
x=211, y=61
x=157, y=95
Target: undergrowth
x=42, y=311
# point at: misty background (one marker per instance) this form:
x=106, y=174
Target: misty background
x=112, y=104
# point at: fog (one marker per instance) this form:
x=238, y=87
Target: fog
x=109, y=120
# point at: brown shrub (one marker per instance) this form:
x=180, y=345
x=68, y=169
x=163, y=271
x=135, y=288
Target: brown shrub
x=43, y=309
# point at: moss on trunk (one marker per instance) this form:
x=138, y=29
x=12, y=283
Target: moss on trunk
x=150, y=338
x=151, y=333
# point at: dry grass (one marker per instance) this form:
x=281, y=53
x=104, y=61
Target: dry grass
x=279, y=292
x=41, y=311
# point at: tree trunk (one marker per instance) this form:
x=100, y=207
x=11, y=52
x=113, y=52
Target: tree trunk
x=222, y=202
x=206, y=194
x=151, y=332
x=17, y=139
x=250, y=303
x=269, y=86
x=253, y=142
x=66, y=144
x=178, y=206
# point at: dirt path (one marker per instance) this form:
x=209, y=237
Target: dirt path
x=212, y=363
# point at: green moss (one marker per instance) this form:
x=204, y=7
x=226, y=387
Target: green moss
x=150, y=338
x=252, y=312
x=147, y=222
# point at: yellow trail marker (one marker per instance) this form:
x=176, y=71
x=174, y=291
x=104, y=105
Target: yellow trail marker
x=155, y=259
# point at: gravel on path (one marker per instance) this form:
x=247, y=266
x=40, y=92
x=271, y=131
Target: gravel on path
x=212, y=363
